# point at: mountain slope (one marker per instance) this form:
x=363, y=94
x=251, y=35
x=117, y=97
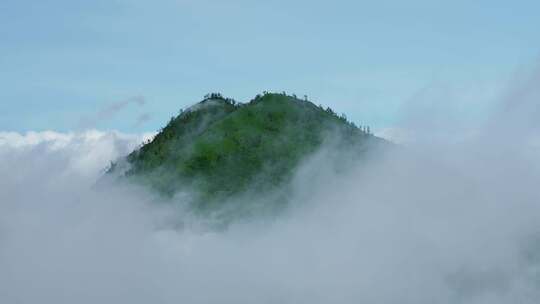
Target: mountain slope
x=221, y=149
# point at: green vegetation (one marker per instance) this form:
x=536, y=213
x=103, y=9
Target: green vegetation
x=222, y=149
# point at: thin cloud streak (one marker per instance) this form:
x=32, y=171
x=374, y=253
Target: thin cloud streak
x=110, y=111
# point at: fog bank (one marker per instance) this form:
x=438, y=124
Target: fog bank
x=433, y=221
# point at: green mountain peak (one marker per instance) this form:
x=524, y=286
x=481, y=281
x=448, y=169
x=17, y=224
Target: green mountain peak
x=219, y=148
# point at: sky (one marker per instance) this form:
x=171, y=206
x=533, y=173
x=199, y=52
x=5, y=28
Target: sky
x=131, y=65
x=454, y=217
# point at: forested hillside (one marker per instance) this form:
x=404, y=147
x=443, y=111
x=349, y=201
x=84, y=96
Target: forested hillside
x=219, y=148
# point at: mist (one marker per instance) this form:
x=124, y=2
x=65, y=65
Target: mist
x=435, y=220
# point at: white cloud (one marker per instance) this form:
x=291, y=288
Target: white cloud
x=395, y=135
x=84, y=152
x=443, y=225
x=437, y=222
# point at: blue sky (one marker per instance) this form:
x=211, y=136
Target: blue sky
x=67, y=62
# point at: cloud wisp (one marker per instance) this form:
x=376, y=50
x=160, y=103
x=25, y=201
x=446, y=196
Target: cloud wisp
x=110, y=111
x=142, y=119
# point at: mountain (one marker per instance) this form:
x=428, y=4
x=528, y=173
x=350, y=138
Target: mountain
x=220, y=149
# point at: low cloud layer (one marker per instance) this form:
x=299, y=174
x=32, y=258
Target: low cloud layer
x=429, y=222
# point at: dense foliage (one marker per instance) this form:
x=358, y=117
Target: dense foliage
x=222, y=148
